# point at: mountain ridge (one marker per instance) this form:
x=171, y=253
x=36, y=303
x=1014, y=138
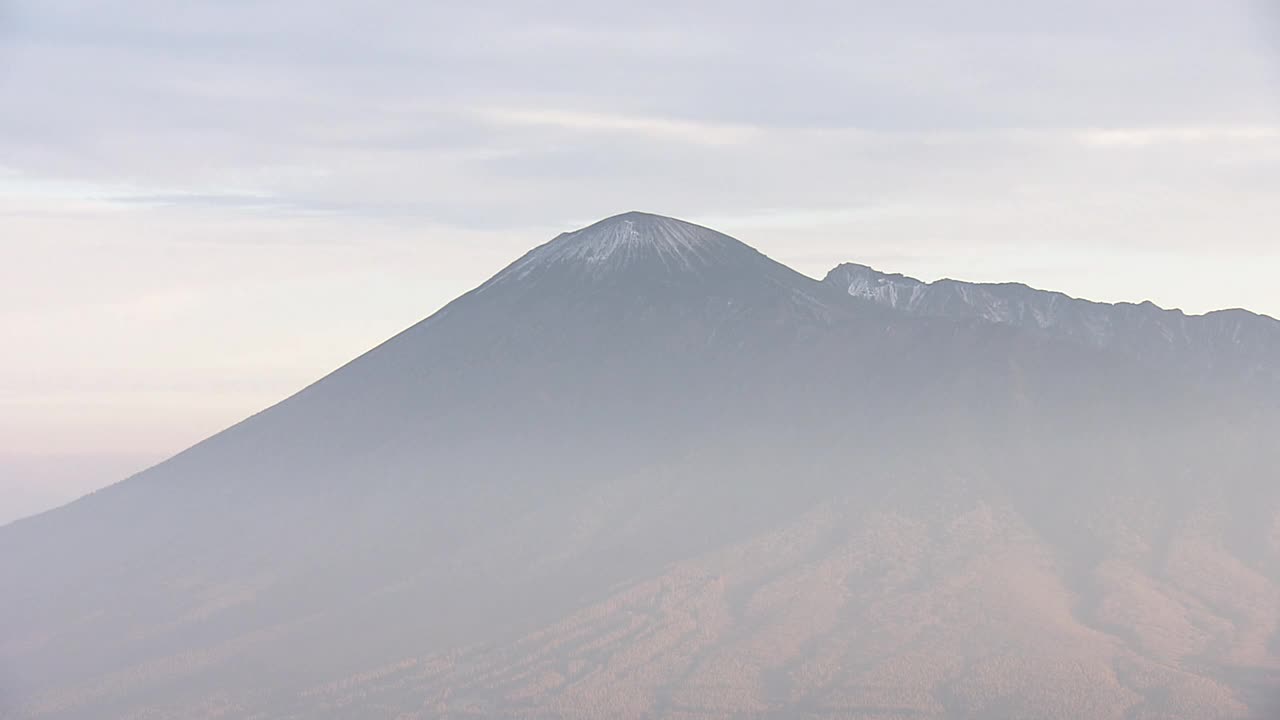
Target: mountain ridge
x=1222, y=340
x=850, y=270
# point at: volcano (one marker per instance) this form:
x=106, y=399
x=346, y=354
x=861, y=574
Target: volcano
x=647, y=472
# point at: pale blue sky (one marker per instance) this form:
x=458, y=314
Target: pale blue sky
x=206, y=205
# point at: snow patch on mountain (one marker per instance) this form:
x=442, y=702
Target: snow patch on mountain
x=631, y=240
x=1144, y=327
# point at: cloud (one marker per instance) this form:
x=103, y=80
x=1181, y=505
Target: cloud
x=652, y=127
x=1145, y=137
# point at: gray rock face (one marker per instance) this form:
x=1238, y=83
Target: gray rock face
x=646, y=471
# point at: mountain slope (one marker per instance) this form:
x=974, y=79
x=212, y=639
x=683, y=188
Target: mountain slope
x=646, y=471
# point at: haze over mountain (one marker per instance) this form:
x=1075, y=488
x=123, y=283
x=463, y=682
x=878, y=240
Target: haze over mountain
x=646, y=471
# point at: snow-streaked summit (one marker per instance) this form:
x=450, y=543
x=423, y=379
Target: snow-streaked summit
x=634, y=242
x=641, y=259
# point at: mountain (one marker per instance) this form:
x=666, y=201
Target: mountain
x=1235, y=341
x=646, y=471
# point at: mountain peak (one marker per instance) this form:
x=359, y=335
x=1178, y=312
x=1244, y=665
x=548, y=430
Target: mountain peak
x=636, y=236
x=635, y=244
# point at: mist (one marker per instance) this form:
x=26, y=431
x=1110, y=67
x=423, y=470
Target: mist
x=570, y=360
x=646, y=471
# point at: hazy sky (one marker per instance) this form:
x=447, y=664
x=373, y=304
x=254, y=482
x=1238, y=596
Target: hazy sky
x=206, y=205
